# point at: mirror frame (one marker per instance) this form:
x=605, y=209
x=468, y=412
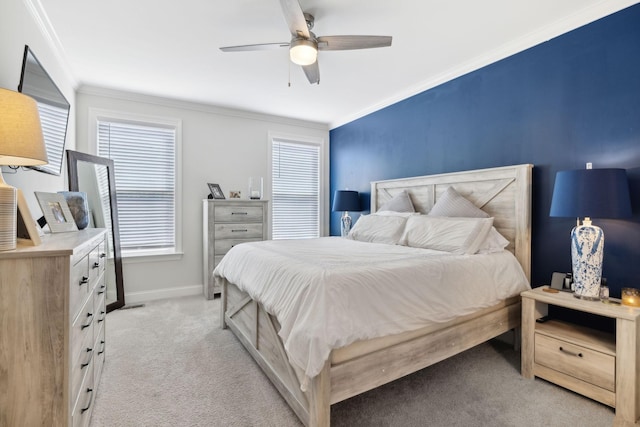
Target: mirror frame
x=73, y=157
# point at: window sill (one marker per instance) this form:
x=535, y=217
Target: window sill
x=133, y=257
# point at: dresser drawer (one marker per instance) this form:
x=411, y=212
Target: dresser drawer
x=238, y=214
x=83, y=406
x=221, y=247
x=238, y=231
x=81, y=328
x=96, y=263
x=81, y=365
x=79, y=286
x=99, y=348
x=577, y=361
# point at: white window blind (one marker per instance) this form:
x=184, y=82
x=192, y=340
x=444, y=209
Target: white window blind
x=295, y=190
x=145, y=174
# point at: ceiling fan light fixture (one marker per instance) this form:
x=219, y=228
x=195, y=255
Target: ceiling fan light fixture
x=303, y=52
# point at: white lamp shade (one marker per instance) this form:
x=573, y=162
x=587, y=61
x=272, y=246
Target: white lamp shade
x=303, y=52
x=21, y=140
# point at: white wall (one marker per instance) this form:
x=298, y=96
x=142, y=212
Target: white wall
x=221, y=146
x=18, y=28
x=218, y=145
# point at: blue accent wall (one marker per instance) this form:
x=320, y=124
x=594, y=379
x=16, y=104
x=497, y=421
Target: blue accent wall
x=558, y=105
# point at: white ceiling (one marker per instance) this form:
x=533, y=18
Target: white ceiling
x=170, y=48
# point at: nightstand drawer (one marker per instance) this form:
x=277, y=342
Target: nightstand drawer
x=577, y=361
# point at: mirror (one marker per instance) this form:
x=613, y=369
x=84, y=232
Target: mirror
x=52, y=106
x=95, y=176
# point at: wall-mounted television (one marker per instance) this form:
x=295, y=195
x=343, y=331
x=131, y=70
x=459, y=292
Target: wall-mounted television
x=53, y=107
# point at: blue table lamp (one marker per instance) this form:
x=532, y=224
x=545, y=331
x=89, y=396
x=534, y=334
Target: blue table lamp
x=345, y=201
x=589, y=193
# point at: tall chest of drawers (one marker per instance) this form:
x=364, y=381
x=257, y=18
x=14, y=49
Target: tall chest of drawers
x=227, y=223
x=52, y=329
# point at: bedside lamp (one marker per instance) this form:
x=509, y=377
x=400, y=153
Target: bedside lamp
x=21, y=144
x=345, y=201
x=598, y=193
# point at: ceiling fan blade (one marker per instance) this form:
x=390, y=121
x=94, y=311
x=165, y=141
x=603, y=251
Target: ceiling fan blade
x=250, y=47
x=295, y=18
x=352, y=42
x=313, y=72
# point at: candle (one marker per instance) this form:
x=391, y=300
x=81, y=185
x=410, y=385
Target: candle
x=255, y=194
x=631, y=297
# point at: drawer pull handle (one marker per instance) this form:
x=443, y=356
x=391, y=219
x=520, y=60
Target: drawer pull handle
x=83, y=410
x=239, y=213
x=570, y=352
x=101, y=343
x=84, y=280
x=239, y=231
x=103, y=255
x=90, y=316
x=96, y=264
x=84, y=365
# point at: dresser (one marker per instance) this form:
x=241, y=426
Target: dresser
x=227, y=223
x=52, y=329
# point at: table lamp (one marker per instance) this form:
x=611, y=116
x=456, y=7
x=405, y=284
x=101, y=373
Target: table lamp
x=589, y=193
x=345, y=201
x=21, y=144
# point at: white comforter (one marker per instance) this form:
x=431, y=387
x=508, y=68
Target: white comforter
x=330, y=292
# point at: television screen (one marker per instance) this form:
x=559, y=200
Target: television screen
x=53, y=108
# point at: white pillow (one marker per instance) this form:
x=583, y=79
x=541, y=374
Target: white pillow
x=494, y=242
x=394, y=213
x=378, y=229
x=456, y=235
x=401, y=202
x=451, y=203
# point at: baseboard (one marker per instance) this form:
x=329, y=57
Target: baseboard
x=156, y=294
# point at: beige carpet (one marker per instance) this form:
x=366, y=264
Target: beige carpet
x=170, y=364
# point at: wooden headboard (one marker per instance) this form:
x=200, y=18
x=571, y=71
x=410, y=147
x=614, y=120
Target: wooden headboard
x=503, y=192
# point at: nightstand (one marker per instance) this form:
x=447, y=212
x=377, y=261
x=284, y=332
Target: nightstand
x=601, y=366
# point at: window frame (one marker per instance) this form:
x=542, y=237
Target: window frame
x=95, y=115
x=323, y=178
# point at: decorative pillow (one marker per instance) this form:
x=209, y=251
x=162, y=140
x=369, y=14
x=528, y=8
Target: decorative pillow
x=494, y=242
x=394, y=213
x=456, y=235
x=378, y=229
x=399, y=203
x=452, y=204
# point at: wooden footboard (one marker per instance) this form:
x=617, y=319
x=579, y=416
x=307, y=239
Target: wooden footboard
x=257, y=331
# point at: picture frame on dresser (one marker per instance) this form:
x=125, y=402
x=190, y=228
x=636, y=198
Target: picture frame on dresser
x=28, y=229
x=216, y=191
x=56, y=212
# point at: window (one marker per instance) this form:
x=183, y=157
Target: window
x=144, y=156
x=295, y=192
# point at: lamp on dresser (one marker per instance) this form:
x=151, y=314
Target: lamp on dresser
x=589, y=193
x=345, y=201
x=21, y=144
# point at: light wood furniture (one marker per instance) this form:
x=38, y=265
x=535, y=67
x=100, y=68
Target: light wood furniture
x=505, y=193
x=52, y=329
x=227, y=223
x=604, y=367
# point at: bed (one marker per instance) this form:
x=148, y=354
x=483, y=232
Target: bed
x=504, y=193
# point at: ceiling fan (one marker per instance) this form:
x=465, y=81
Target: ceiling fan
x=304, y=45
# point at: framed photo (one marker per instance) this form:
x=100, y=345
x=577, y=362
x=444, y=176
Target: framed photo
x=216, y=191
x=28, y=229
x=56, y=212
x=234, y=194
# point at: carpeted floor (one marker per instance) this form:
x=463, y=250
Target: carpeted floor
x=169, y=364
